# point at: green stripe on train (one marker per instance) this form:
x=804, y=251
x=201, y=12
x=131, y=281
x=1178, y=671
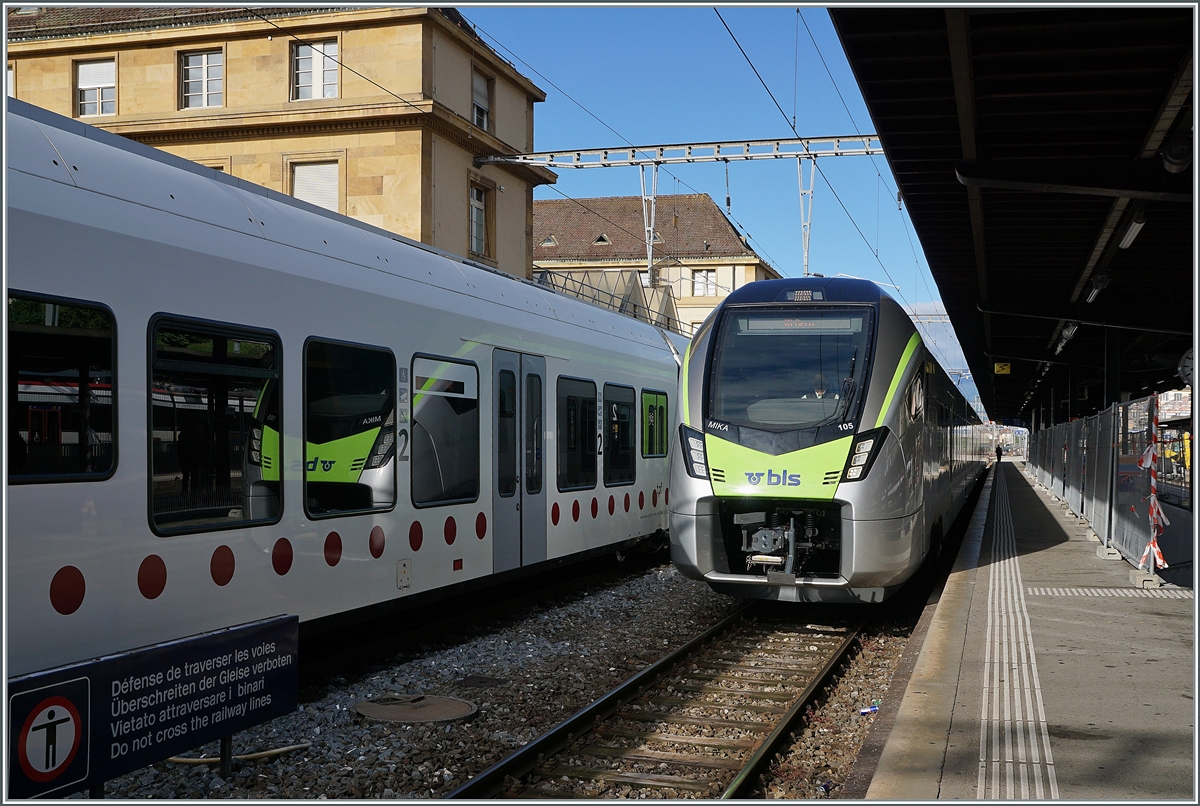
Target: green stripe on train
x=901, y=365
x=811, y=473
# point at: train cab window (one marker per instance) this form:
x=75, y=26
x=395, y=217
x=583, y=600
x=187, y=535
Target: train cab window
x=619, y=430
x=577, y=437
x=215, y=451
x=445, y=432
x=60, y=391
x=654, y=424
x=533, y=434
x=915, y=398
x=349, y=428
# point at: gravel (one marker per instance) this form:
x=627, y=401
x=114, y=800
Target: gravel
x=552, y=660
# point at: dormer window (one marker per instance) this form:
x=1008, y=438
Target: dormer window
x=657, y=238
x=601, y=240
x=549, y=241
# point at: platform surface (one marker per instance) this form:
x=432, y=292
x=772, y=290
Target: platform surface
x=1046, y=674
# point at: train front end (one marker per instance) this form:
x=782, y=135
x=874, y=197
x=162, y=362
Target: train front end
x=796, y=470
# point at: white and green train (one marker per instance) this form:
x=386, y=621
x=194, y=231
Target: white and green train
x=822, y=452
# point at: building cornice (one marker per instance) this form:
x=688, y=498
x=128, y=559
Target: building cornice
x=322, y=118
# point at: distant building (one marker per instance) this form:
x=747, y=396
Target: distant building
x=1174, y=405
x=377, y=113
x=699, y=257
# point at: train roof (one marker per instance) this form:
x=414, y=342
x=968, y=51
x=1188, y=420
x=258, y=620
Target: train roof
x=832, y=289
x=570, y=310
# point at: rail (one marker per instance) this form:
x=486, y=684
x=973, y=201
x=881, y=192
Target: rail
x=657, y=695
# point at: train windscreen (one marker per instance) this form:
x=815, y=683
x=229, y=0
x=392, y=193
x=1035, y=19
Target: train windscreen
x=789, y=369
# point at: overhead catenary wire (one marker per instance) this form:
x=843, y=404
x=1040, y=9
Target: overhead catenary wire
x=759, y=248
x=817, y=166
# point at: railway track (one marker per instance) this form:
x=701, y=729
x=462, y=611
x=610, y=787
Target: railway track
x=701, y=722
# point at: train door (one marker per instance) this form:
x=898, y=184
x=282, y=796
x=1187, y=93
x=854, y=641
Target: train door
x=518, y=436
x=44, y=425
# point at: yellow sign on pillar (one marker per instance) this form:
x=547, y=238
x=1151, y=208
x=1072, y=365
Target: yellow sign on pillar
x=1003, y=369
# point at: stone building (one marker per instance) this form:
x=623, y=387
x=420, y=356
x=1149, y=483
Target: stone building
x=377, y=113
x=699, y=257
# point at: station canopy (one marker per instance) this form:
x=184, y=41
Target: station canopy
x=1044, y=155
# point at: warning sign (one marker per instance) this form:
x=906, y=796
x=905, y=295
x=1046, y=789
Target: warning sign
x=1003, y=368
x=50, y=746
x=80, y=725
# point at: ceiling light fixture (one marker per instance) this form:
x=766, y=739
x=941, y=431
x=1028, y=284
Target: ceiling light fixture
x=1131, y=232
x=1100, y=281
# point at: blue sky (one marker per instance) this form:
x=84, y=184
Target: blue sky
x=673, y=74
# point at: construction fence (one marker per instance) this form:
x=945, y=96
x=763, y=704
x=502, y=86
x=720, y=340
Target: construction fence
x=1091, y=464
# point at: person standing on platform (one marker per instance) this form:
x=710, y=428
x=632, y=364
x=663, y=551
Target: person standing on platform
x=999, y=451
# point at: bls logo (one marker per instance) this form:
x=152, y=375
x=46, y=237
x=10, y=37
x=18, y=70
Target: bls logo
x=782, y=478
x=326, y=464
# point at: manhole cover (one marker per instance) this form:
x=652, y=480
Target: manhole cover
x=416, y=708
x=479, y=681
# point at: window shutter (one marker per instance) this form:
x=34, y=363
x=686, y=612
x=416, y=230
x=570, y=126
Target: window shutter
x=316, y=183
x=98, y=74
x=480, y=84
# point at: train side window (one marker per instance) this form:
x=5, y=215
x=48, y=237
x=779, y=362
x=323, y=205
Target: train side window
x=654, y=424
x=533, y=434
x=445, y=426
x=215, y=451
x=506, y=434
x=916, y=398
x=61, y=390
x=349, y=428
x=577, y=437
x=619, y=429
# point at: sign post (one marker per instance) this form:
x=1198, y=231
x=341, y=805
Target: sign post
x=77, y=726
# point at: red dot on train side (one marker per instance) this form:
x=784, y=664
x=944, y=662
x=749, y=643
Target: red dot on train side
x=333, y=549
x=626, y=502
x=67, y=589
x=575, y=511
x=281, y=556
x=641, y=500
x=595, y=507
x=458, y=565
x=375, y=544
x=152, y=576
x=221, y=565
x=554, y=514
x=480, y=525
x=450, y=531
x=415, y=538
x=654, y=498
x=612, y=505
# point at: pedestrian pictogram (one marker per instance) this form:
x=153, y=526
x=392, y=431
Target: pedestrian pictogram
x=50, y=738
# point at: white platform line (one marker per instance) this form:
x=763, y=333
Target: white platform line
x=1014, y=740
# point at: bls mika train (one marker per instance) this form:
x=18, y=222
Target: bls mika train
x=822, y=452
x=225, y=404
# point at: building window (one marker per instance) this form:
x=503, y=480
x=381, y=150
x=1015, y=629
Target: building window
x=644, y=276
x=549, y=241
x=10, y=86
x=704, y=283
x=215, y=448
x=601, y=240
x=481, y=104
x=60, y=391
x=97, y=87
x=349, y=428
x=316, y=183
x=445, y=432
x=315, y=71
x=479, y=244
x=203, y=79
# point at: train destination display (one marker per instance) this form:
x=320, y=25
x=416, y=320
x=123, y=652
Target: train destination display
x=80, y=725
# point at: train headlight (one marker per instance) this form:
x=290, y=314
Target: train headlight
x=695, y=458
x=862, y=455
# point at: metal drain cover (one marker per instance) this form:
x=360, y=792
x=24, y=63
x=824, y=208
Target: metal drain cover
x=416, y=708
